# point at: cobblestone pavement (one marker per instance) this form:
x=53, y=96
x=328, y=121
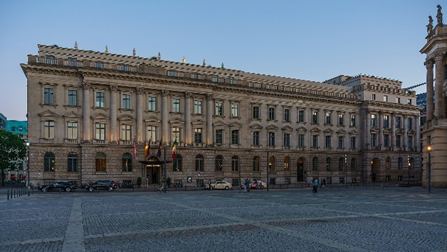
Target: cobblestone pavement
x=334, y=219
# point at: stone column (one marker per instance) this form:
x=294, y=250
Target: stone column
x=404, y=119
x=439, y=100
x=367, y=135
x=164, y=116
x=429, y=66
x=393, y=131
x=86, y=121
x=380, y=130
x=418, y=133
x=113, y=118
x=209, y=120
x=188, y=130
x=139, y=109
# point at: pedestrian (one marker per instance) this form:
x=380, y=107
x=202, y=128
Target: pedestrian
x=315, y=184
x=247, y=185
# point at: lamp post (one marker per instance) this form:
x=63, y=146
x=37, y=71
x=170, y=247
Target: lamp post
x=346, y=169
x=27, y=165
x=429, y=149
x=268, y=170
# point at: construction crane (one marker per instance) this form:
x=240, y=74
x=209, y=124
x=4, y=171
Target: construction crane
x=415, y=86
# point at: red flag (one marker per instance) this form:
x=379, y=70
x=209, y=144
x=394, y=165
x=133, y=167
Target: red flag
x=147, y=149
x=134, y=149
x=159, y=149
x=174, y=150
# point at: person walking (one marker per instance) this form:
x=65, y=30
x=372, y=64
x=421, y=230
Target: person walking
x=315, y=184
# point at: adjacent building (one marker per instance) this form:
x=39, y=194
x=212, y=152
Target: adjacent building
x=19, y=128
x=91, y=113
x=3, y=121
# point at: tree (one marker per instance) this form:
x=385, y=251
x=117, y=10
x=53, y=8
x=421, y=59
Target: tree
x=12, y=151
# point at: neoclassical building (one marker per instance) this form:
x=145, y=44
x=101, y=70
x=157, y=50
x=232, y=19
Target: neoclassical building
x=90, y=114
x=435, y=128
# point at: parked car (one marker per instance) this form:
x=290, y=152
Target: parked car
x=108, y=185
x=221, y=185
x=258, y=184
x=58, y=186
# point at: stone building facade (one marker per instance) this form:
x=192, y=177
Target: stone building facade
x=91, y=113
x=435, y=128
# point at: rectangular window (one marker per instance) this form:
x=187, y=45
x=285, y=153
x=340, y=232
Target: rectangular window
x=301, y=116
x=151, y=133
x=287, y=115
x=72, y=130
x=341, y=119
x=172, y=73
x=152, y=103
x=271, y=138
x=256, y=114
x=373, y=140
x=218, y=108
x=72, y=97
x=197, y=106
x=48, y=129
x=386, y=140
x=328, y=120
x=398, y=141
x=126, y=132
x=328, y=142
x=410, y=123
x=385, y=98
x=100, y=131
x=99, y=65
x=386, y=121
x=315, y=141
x=398, y=122
x=198, y=136
x=99, y=99
x=341, y=142
x=256, y=138
x=352, y=122
x=72, y=163
x=48, y=96
x=215, y=78
x=125, y=104
x=410, y=101
x=314, y=117
x=410, y=142
x=219, y=136
x=176, y=104
x=353, y=143
x=373, y=97
x=234, y=109
x=286, y=142
x=301, y=140
x=271, y=113
x=373, y=121
x=398, y=100
x=235, y=137
x=175, y=134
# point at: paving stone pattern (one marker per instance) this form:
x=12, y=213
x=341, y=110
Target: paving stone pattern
x=334, y=219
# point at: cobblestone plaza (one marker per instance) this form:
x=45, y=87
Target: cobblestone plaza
x=334, y=219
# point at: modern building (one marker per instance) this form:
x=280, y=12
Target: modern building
x=3, y=121
x=86, y=109
x=435, y=129
x=19, y=128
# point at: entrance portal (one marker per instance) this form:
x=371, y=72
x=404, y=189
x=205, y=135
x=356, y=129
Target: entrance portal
x=300, y=170
x=153, y=174
x=375, y=169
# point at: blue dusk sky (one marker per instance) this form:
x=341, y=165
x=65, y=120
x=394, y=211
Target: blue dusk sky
x=311, y=40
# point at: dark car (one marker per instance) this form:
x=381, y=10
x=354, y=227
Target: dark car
x=108, y=185
x=60, y=186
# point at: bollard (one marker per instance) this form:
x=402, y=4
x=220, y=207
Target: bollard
x=7, y=195
x=28, y=191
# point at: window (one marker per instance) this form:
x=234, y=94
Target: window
x=373, y=97
x=287, y=115
x=72, y=97
x=100, y=131
x=286, y=163
x=400, y=163
x=373, y=139
x=353, y=164
x=386, y=140
x=50, y=59
x=353, y=142
x=410, y=142
x=49, y=162
x=314, y=117
x=197, y=106
x=219, y=136
x=126, y=132
x=301, y=140
x=373, y=121
x=48, y=96
x=177, y=163
x=255, y=138
x=386, y=121
x=234, y=109
x=385, y=98
x=271, y=138
x=99, y=65
x=388, y=163
x=352, y=122
x=72, y=62
x=125, y=104
x=218, y=166
x=272, y=163
x=255, y=112
x=409, y=123
x=235, y=137
x=328, y=142
x=327, y=120
x=235, y=163
x=215, y=78
x=341, y=142
x=231, y=80
x=256, y=164
x=218, y=108
x=410, y=101
x=72, y=162
x=398, y=122
x=175, y=134
x=301, y=116
x=126, y=162
x=197, y=135
x=72, y=130
x=341, y=119
x=48, y=129
x=286, y=140
x=199, y=163
x=151, y=133
x=315, y=164
x=398, y=100
x=99, y=99
x=123, y=67
x=341, y=164
x=315, y=141
x=194, y=76
x=271, y=115
x=152, y=103
x=328, y=164
x=100, y=162
x=176, y=104
x=398, y=141
x=172, y=73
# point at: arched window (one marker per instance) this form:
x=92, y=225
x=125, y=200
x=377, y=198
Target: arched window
x=72, y=162
x=256, y=164
x=49, y=162
x=127, y=162
x=235, y=163
x=388, y=163
x=177, y=164
x=315, y=164
x=219, y=163
x=100, y=162
x=411, y=163
x=353, y=164
x=199, y=163
x=286, y=163
x=400, y=163
x=341, y=164
x=300, y=169
x=271, y=163
x=328, y=164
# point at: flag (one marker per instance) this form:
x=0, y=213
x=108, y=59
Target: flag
x=159, y=149
x=147, y=149
x=134, y=149
x=174, y=149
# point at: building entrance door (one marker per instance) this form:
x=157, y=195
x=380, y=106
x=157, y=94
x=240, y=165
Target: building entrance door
x=375, y=170
x=153, y=174
x=300, y=170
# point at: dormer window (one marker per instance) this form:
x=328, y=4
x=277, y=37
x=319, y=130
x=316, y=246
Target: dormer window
x=172, y=73
x=99, y=65
x=215, y=78
x=50, y=59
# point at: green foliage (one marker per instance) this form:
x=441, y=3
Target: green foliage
x=12, y=150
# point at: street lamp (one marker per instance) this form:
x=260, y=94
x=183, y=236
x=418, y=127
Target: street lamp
x=429, y=149
x=346, y=169
x=27, y=165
